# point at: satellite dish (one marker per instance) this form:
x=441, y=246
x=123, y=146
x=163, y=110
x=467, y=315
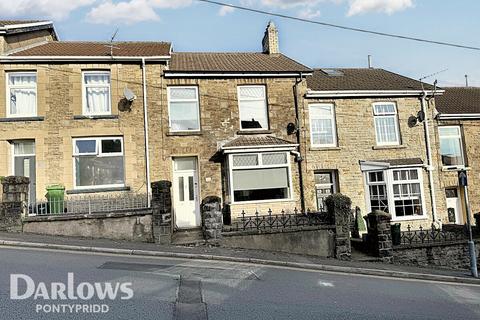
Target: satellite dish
x=129, y=95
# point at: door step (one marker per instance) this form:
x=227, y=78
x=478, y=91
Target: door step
x=188, y=237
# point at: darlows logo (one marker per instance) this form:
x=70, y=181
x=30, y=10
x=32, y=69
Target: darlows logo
x=23, y=287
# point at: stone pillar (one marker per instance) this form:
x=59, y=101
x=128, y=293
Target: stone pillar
x=340, y=211
x=380, y=235
x=212, y=218
x=162, y=211
x=15, y=200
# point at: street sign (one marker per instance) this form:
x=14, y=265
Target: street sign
x=462, y=178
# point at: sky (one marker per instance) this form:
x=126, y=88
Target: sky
x=196, y=26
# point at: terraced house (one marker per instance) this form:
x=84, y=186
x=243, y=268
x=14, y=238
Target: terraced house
x=366, y=138
x=257, y=129
x=458, y=147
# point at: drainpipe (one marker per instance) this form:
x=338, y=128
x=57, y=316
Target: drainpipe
x=145, y=128
x=429, y=156
x=299, y=157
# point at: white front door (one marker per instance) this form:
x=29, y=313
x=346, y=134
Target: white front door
x=185, y=193
x=454, y=206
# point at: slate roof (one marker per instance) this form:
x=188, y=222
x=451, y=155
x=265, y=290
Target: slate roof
x=362, y=79
x=461, y=100
x=232, y=62
x=402, y=161
x=256, y=141
x=96, y=49
x=4, y=23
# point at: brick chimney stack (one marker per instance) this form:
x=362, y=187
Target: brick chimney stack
x=270, y=39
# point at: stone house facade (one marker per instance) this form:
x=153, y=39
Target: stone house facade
x=363, y=138
x=458, y=147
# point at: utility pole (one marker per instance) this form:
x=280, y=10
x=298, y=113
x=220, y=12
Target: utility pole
x=463, y=182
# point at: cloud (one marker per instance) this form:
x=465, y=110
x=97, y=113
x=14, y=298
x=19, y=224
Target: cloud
x=383, y=6
x=133, y=11
x=122, y=13
x=54, y=9
x=308, y=13
x=224, y=10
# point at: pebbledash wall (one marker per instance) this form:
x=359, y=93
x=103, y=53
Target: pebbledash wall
x=59, y=120
x=356, y=141
x=219, y=123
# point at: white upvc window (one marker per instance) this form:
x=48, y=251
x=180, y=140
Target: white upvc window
x=96, y=93
x=322, y=125
x=183, y=109
x=396, y=191
x=260, y=177
x=21, y=94
x=252, y=104
x=386, y=123
x=98, y=162
x=451, y=146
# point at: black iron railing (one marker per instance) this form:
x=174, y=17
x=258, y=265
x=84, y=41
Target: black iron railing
x=425, y=236
x=272, y=222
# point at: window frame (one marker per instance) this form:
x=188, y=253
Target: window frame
x=265, y=100
x=332, y=119
x=460, y=140
x=389, y=182
x=84, y=92
x=197, y=100
x=334, y=185
x=9, y=87
x=98, y=153
x=394, y=115
x=260, y=165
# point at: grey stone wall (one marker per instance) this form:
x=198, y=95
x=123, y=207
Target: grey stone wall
x=12, y=207
x=131, y=226
x=340, y=209
x=212, y=218
x=162, y=211
x=446, y=255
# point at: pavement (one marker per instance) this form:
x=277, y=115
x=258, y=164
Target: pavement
x=187, y=289
x=258, y=257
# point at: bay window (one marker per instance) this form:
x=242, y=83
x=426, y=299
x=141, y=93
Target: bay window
x=386, y=123
x=322, y=125
x=451, y=148
x=252, y=103
x=183, y=109
x=96, y=93
x=98, y=162
x=21, y=94
x=260, y=176
x=396, y=191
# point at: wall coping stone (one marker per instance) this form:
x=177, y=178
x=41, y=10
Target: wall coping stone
x=95, y=190
x=106, y=215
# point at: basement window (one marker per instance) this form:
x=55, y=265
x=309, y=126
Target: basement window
x=98, y=162
x=260, y=176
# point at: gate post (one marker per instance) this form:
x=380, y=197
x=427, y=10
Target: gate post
x=340, y=210
x=212, y=218
x=14, y=203
x=162, y=211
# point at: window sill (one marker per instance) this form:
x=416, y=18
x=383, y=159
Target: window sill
x=412, y=218
x=324, y=148
x=455, y=168
x=247, y=132
x=95, y=190
x=18, y=119
x=93, y=117
x=184, y=133
x=389, y=147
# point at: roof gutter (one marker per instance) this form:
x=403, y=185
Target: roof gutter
x=459, y=116
x=5, y=59
x=369, y=93
x=169, y=74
